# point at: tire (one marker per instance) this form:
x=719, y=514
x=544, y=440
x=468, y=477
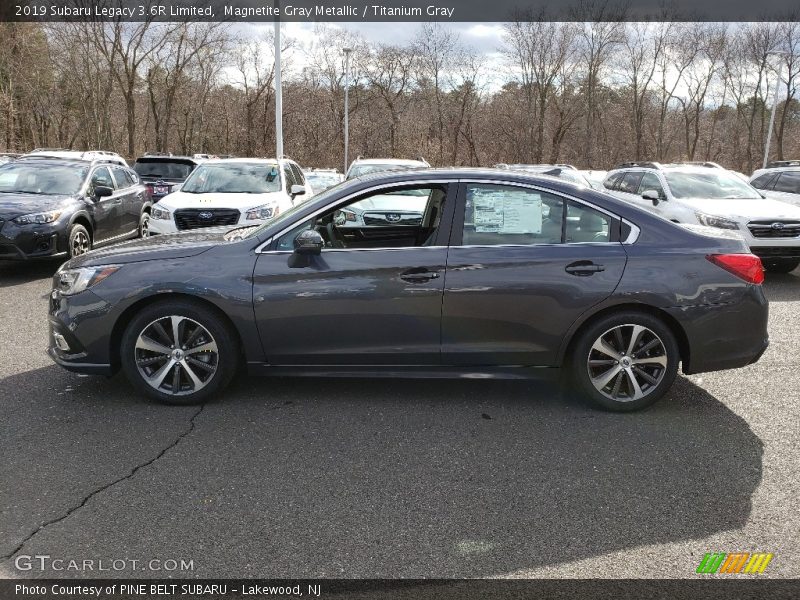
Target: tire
x=144, y=225
x=200, y=373
x=630, y=380
x=79, y=240
x=781, y=265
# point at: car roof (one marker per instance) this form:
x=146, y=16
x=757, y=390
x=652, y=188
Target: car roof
x=55, y=161
x=226, y=161
x=388, y=161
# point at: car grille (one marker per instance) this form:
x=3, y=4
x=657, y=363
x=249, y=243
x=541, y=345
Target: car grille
x=774, y=229
x=392, y=218
x=196, y=218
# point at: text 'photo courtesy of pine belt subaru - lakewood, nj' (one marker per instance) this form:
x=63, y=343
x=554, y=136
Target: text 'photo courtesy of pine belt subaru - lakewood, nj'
x=710, y=195
x=506, y=275
x=244, y=191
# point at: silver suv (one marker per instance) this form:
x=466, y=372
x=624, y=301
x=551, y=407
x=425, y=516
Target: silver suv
x=780, y=180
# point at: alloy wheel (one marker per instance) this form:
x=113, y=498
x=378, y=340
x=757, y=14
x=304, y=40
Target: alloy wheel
x=80, y=243
x=176, y=355
x=627, y=362
x=144, y=227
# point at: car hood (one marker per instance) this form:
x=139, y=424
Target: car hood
x=789, y=198
x=179, y=199
x=394, y=202
x=13, y=205
x=761, y=208
x=169, y=246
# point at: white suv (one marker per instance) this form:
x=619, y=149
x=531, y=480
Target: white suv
x=362, y=166
x=234, y=191
x=780, y=180
x=713, y=197
x=90, y=155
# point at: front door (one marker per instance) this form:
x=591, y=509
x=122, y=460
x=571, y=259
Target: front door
x=523, y=265
x=373, y=295
x=107, y=211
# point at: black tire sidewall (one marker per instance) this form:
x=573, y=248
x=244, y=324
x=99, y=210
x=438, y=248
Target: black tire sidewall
x=73, y=231
x=579, y=374
x=208, y=318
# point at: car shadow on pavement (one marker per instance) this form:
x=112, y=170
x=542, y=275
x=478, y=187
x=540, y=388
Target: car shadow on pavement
x=19, y=272
x=376, y=478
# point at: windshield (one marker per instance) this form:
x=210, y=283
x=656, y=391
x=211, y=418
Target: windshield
x=363, y=169
x=45, y=179
x=715, y=185
x=322, y=182
x=234, y=178
x=162, y=169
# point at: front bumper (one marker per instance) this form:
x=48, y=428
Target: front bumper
x=22, y=242
x=79, y=332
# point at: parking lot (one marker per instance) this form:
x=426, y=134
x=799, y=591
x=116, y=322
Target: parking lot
x=378, y=478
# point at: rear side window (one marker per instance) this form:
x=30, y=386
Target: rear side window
x=121, y=178
x=497, y=215
x=788, y=182
x=763, y=182
x=630, y=182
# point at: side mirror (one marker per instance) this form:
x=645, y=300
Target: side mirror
x=102, y=191
x=652, y=195
x=297, y=190
x=308, y=242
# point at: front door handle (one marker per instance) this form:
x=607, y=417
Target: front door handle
x=419, y=275
x=583, y=268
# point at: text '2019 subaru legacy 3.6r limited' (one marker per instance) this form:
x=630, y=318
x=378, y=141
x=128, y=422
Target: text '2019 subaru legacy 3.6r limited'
x=505, y=275
x=51, y=206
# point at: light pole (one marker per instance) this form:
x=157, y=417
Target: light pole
x=774, y=105
x=278, y=89
x=347, y=52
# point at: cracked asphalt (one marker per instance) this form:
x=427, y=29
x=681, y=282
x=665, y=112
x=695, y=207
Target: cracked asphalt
x=375, y=478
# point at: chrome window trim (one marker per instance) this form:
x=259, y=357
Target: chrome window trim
x=632, y=236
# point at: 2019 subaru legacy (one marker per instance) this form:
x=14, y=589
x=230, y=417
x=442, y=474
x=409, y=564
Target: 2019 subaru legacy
x=506, y=275
x=52, y=206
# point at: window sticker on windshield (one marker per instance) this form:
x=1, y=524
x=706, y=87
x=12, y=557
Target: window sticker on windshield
x=508, y=212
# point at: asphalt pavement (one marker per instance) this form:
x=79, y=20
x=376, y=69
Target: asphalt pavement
x=376, y=478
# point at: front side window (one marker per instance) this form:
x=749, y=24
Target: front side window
x=289, y=176
x=31, y=178
x=396, y=218
x=101, y=177
x=650, y=181
x=630, y=182
x=497, y=215
x=234, y=178
x=763, y=182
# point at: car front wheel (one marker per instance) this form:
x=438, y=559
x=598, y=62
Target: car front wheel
x=144, y=225
x=179, y=352
x=625, y=361
x=79, y=240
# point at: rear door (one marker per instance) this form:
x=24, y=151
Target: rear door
x=523, y=265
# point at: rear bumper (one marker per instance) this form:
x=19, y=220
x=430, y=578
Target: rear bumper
x=725, y=336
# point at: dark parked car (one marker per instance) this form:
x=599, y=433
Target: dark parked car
x=161, y=173
x=506, y=275
x=64, y=207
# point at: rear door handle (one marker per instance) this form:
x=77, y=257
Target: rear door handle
x=583, y=268
x=419, y=275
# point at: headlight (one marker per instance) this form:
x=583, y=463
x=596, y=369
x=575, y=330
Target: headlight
x=340, y=217
x=43, y=217
x=718, y=222
x=263, y=212
x=73, y=281
x=160, y=213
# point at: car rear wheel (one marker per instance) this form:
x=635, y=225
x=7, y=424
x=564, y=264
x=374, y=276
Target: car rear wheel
x=781, y=265
x=179, y=352
x=79, y=240
x=625, y=361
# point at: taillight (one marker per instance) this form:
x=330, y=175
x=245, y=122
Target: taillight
x=744, y=266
